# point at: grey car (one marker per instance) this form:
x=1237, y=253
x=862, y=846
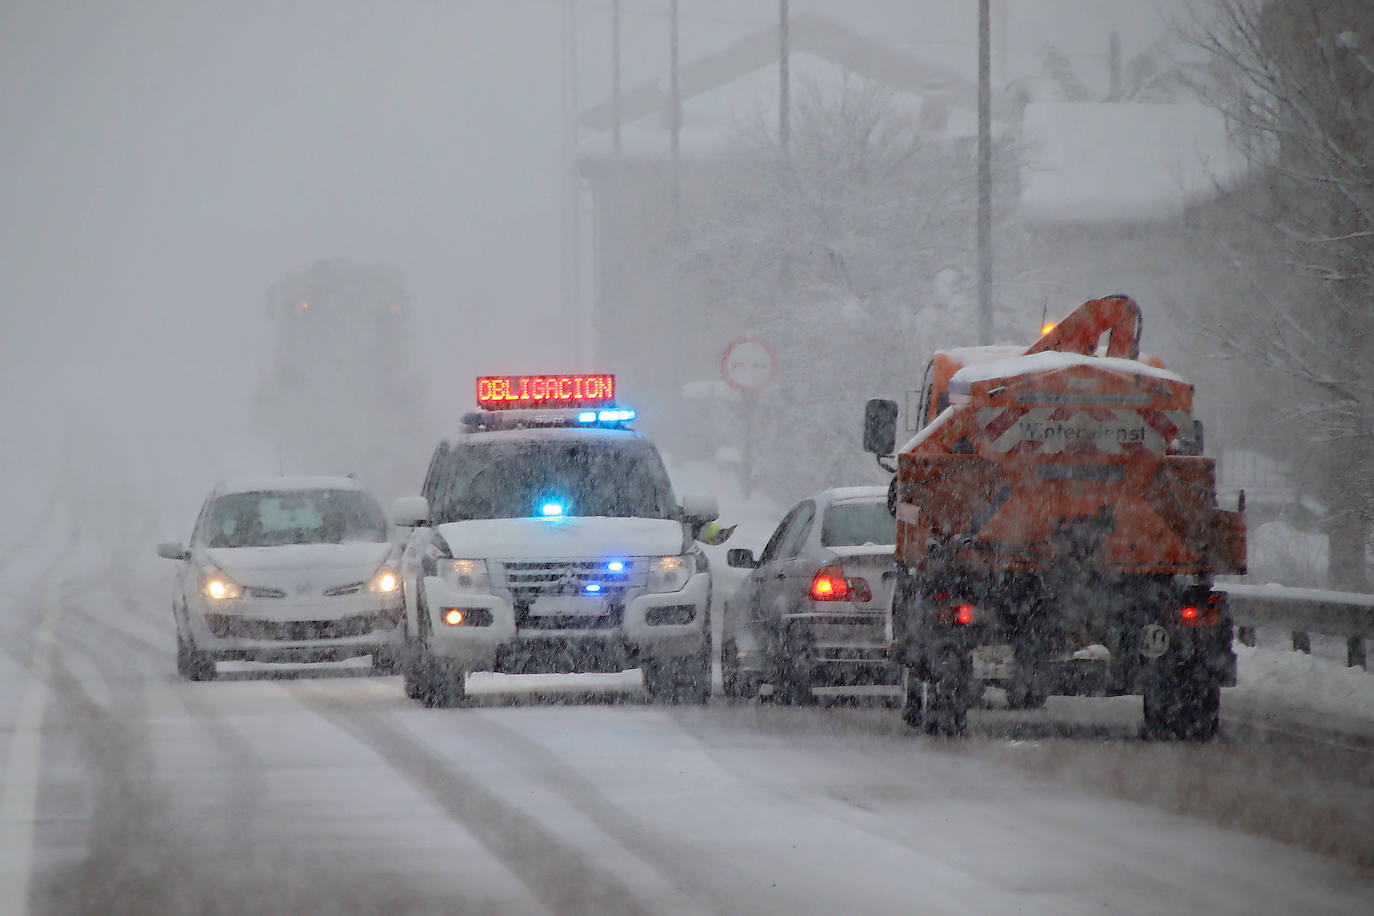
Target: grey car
x=813, y=610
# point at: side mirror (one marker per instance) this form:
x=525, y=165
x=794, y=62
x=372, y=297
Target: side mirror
x=880, y=426
x=172, y=550
x=740, y=558
x=410, y=512
x=699, y=510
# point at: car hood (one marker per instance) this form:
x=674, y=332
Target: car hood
x=563, y=538
x=358, y=559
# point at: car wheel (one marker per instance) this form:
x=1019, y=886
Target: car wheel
x=193, y=664
x=913, y=699
x=685, y=680
x=1024, y=695
x=1184, y=703
x=433, y=680
x=735, y=683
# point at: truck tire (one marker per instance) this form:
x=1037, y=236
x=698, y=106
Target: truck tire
x=193, y=664
x=949, y=695
x=1183, y=703
x=1025, y=695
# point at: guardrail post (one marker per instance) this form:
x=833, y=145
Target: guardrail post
x=1246, y=635
x=1354, y=652
x=1302, y=642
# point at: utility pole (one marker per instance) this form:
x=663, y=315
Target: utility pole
x=784, y=76
x=984, y=175
x=572, y=236
x=674, y=106
x=615, y=77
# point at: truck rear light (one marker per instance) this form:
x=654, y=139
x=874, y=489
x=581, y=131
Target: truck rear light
x=1206, y=613
x=960, y=612
x=830, y=584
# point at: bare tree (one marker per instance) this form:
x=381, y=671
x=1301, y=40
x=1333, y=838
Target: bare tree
x=1295, y=79
x=849, y=251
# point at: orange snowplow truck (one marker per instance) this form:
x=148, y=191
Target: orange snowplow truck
x=1058, y=531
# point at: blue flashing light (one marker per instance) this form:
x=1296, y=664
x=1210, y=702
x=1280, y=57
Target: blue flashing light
x=617, y=415
x=587, y=416
x=615, y=566
x=593, y=587
x=551, y=510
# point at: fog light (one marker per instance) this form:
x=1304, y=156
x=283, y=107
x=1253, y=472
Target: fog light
x=453, y=617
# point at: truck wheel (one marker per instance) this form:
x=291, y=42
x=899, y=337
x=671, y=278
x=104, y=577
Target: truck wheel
x=913, y=699
x=1023, y=695
x=949, y=696
x=193, y=664
x=1184, y=703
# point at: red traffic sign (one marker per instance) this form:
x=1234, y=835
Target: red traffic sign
x=748, y=365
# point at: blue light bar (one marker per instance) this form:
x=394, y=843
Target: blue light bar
x=593, y=587
x=587, y=416
x=617, y=415
x=551, y=510
x=615, y=566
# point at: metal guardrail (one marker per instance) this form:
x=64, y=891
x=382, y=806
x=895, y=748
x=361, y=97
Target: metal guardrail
x=1303, y=611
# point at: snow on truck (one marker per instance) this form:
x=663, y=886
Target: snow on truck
x=1058, y=526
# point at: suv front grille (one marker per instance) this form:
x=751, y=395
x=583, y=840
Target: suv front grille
x=532, y=578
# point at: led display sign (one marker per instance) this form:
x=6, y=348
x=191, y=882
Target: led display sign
x=500, y=392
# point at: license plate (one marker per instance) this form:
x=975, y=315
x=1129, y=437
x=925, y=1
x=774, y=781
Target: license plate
x=567, y=605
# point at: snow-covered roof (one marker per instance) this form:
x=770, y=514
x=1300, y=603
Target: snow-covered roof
x=721, y=93
x=1049, y=361
x=299, y=482
x=1099, y=162
x=841, y=494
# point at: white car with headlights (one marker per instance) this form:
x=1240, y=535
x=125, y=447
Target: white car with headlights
x=287, y=569
x=548, y=539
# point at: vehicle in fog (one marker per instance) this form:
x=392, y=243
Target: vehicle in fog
x=548, y=539
x=813, y=610
x=1055, y=505
x=286, y=569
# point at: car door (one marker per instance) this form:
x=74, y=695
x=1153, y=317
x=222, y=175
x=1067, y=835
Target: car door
x=741, y=607
x=778, y=573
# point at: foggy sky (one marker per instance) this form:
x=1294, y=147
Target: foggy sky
x=164, y=162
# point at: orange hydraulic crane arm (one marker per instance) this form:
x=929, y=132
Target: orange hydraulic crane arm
x=1117, y=316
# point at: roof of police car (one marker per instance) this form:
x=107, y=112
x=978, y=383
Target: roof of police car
x=544, y=433
x=284, y=482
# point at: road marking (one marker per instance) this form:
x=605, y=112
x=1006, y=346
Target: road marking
x=20, y=802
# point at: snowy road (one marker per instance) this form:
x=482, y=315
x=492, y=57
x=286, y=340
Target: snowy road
x=336, y=794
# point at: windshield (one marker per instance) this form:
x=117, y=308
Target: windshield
x=855, y=524
x=270, y=519
x=530, y=478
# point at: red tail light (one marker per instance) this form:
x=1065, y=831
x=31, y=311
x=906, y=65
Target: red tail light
x=1204, y=614
x=830, y=584
x=961, y=612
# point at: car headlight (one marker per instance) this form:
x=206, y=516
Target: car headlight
x=670, y=574
x=467, y=575
x=386, y=581
x=215, y=584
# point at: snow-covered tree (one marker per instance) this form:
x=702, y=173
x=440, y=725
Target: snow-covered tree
x=852, y=252
x=1295, y=79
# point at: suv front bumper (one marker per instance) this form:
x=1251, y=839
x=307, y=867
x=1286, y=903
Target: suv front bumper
x=507, y=637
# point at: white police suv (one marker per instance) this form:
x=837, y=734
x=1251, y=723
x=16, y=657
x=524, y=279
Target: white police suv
x=548, y=539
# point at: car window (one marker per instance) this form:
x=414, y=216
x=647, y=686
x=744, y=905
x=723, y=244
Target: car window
x=771, y=549
x=855, y=524
x=277, y=517
x=532, y=478
x=800, y=528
